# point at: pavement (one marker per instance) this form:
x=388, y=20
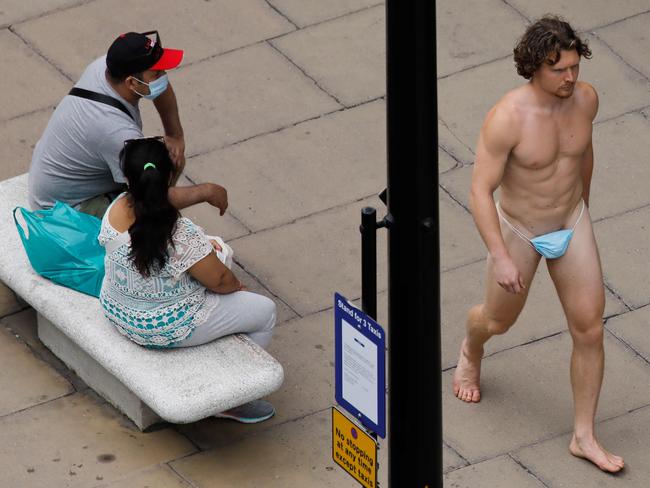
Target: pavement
x=283, y=103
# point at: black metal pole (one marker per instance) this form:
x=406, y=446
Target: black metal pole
x=369, y=261
x=415, y=422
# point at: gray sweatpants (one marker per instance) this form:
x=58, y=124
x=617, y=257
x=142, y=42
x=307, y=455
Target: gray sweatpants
x=239, y=312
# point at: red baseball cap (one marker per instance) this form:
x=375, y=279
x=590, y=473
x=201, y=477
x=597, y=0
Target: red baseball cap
x=135, y=52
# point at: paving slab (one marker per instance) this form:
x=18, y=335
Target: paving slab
x=308, y=280
x=466, y=97
x=502, y=472
x=632, y=328
x=629, y=38
x=619, y=146
x=307, y=284
x=458, y=184
x=458, y=49
x=450, y=143
x=9, y=302
x=627, y=436
x=623, y=245
x=14, y=11
x=159, y=477
x=346, y=56
x=620, y=87
x=79, y=441
x=293, y=454
x=526, y=397
x=460, y=242
x=18, y=137
x=220, y=100
x=306, y=12
x=445, y=161
x=21, y=97
x=542, y=316
x=276, y=178
x=17, y=363
x=201, y=28
x=581, y=14
x=23, y=324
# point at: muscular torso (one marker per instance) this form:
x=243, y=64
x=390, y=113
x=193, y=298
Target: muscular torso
x=542, y=182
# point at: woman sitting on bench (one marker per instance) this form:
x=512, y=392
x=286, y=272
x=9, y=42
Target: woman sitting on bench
x=165, y=286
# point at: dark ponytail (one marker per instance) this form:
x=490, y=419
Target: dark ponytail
x=149, y=170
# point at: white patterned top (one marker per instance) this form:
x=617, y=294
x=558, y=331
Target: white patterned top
x=167, y=306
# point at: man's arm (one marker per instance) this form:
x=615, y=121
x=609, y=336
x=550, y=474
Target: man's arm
x=497, y=138
x=588, y=158
x=185, y=196
x=167, y=108
x=587, y=172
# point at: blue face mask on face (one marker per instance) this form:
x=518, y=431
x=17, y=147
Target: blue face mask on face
x=156, y=87
x=552, y=245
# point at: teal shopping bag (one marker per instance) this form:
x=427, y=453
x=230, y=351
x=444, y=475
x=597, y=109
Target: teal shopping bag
x=61, y=244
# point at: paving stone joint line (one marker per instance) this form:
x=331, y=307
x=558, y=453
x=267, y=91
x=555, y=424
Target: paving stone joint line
x=304, y=72
x=629, y=112
x=512, y=451
x=282, y=14
x=483, y=63
x=627, y=345
x=442, y=121
x=528, y=470
x=543, y=481
x=272, y=38
x=259, y=282
x=454, y=198
x=618, y=21
x=186, y=480
x=618, y=297
x=39, y=404
x=46, y=13
x=280, y=129
x=621, y=58
x=40, y=54
x=312, y=214
x=519, y=12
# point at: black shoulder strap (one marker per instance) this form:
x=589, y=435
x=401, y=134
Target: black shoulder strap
x=99, y=97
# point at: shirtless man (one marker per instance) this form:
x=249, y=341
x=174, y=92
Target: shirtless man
x=535, y=144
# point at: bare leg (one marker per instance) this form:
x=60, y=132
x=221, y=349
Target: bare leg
x=579, y=283
x=495, y=316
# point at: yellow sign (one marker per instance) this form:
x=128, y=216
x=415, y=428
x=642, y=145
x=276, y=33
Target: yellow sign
x=354, y=450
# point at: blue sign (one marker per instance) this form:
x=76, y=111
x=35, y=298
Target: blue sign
x=360, y=365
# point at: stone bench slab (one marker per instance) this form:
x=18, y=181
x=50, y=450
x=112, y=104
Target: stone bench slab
x=178, y=385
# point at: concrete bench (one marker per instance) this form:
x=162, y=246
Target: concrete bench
x=179, y=385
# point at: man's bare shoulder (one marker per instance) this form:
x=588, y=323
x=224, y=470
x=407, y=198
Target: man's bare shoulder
x=586, y=98
x=507, y=114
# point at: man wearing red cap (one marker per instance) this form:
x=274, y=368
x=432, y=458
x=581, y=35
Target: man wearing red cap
x=76, y=161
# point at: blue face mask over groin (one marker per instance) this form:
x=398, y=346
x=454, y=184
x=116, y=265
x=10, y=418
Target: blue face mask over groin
x=552, y=245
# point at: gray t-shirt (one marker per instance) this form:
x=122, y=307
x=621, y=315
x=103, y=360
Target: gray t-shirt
x=77, y=157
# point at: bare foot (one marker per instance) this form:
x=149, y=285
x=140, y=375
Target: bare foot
x=467, y=377
x=592, y=451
